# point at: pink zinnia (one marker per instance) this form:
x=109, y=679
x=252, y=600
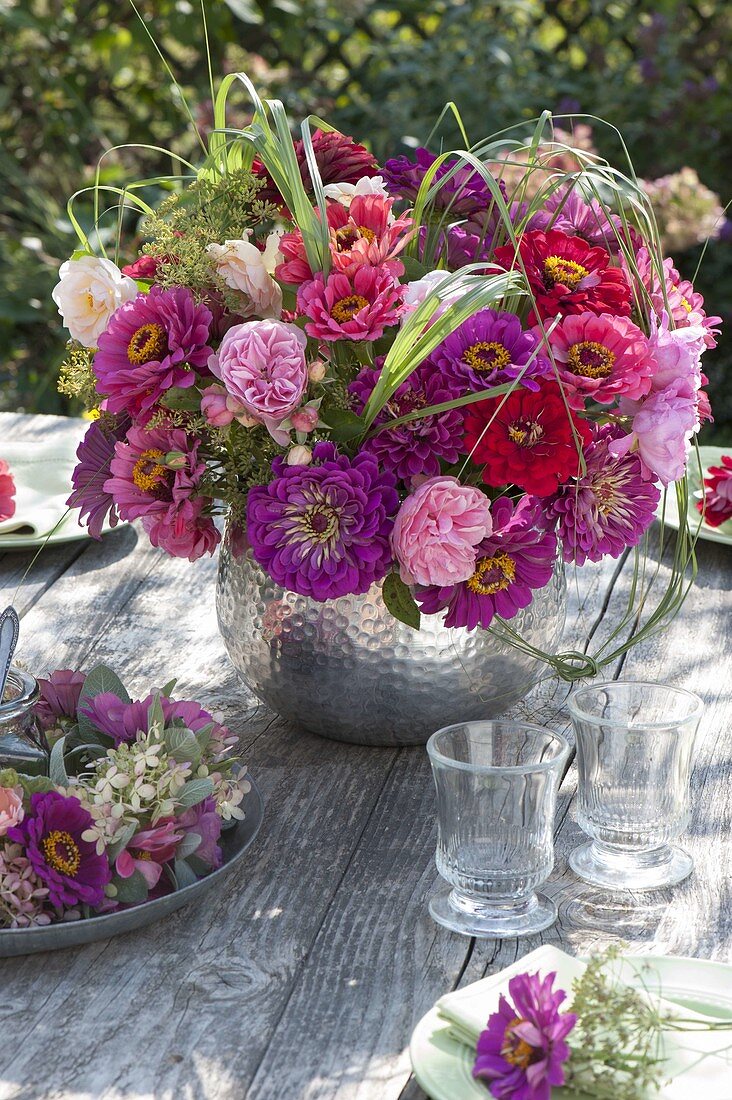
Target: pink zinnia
x=600, y=358
x=148, y=851
x=676, y=295
x=717, y=504
x=437, y=530
x=150, y=345
x=155, y=477
x=350, y=307
x=7, y=492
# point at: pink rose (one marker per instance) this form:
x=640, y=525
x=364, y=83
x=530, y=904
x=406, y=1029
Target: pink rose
x=437, y=530
x=262, y=365
x=661, y=432
x=677, y=357
x=11, y=808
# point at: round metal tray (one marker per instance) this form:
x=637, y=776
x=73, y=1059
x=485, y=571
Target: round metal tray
x=52, y=937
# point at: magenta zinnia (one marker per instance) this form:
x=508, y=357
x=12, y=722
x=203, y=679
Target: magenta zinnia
x=521, y=1053
x=358, y=306
x=52, y=835
x=608, y=507
x=94, y=456
x=601, y=358
x=323, y=530
x=150, y=345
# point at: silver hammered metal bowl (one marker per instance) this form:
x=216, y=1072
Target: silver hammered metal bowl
x=347, y=670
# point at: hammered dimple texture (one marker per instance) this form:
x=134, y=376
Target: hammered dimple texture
x=347, y=670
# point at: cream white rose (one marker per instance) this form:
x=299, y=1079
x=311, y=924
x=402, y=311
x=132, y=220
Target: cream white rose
x=345, y=192
x=88, y=292
x=243, y=267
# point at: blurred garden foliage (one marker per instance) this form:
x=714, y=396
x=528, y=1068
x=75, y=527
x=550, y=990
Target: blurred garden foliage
x=81, y=76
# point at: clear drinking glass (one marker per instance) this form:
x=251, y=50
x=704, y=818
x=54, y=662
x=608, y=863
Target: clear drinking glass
x=496, y=794
x=634, y=751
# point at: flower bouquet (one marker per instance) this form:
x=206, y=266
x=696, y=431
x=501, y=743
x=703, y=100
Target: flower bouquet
x=133, y=809
x=419, y=375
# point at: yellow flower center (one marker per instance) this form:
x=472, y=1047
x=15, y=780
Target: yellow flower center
x=492, y=574
x=590, y=359
x=525, y=433
x=320, y=522
x=486, y=356
x=139, y=853
x=61, y=852
x=516, y=1051
x=147, y=473
x=89, y=299
x=566, y=272
x=347, y=235
x=148, y=342
x=346, y=308
x=686, y=304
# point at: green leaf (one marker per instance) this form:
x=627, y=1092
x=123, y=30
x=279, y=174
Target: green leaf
x=155, y=716
x=35, y=784
x=186, y=400
x=169, y=688
x=400, y=601
x=121, y=840
x=414, y=268
x=188, y=845
x=132, y=890
x=344, y=424
x=101, y=679
x=185, y=875
x=56, y=766
x=183, y=746
x=195, y=791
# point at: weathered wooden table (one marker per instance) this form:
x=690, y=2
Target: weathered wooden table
x=304, y=976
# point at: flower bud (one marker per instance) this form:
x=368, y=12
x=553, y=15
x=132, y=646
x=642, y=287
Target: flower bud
x=299, y=456
x=304, y=419
x=175, y=460
x=317, y=370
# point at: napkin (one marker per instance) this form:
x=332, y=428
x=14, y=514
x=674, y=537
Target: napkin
x=708, y=1053
x=41, y=470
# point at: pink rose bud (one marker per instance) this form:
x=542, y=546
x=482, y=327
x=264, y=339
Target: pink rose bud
x=246, y=419
x=215, y=408
x=317, y=371
x=299, y=456
x=304, y=419
x=175, y=460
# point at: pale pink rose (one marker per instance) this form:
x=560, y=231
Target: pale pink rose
x=299, y=455
x=437, y=530
x=262, y=365
x=243, y=267
x=11, y=808
x=677, y=356
x=661, y=431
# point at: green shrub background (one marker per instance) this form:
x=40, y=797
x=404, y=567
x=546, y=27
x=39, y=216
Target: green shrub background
x=81, y=77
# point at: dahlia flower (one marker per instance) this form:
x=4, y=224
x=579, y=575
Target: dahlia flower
x=59, y=697
x=488, y=349
x=416, y=447
x=7, y=492
x=465, y=193
x=88, y=293
x=601, y=358
x=323, y=530
x=339, y=159
x=567, y=275
x=521, y=1053
x=262, y=365
x=437, y=530
x=526, y=439
x=23, y=896
x=71, y=868
x=358, y=306
x=516, y=558
x=144, y=486
x=716, y=507
x=607, y=508
x=149, y=346
x=94, y=457
x=148, y=851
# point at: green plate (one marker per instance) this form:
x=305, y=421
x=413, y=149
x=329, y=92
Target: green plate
x=443, y=1065
x=708, y=456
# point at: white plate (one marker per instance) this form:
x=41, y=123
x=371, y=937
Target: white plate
x=68, y=531
x=708, y=456
x=443, y=1065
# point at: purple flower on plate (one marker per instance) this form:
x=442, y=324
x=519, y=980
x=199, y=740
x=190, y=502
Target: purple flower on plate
x=416, y=447
x=488, y=349
x=323, y=530
x=59, y=697
x=515, y=559
x=94, y=457
x=150, y=345
x=203, y=820
x=608, y=507
x=521, y=1053
x=465, y=193
x=123, y=721
x=52, y=835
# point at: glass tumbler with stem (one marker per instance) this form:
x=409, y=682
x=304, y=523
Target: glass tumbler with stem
x=635, y=742
x=496, y=795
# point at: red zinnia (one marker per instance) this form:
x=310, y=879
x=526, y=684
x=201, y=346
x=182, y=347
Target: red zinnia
x=567, y=275
x=530, y=440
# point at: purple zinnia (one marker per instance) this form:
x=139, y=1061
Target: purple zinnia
x=150, y=345
x=123, y=721
x=521, y=1053
x=59, y=697
x=323, y=530
x=465, y=193
x=488, y=349
x=414, y=448
x=608, y=508
x=67, y=864
x=94, y=457
x=516, y=558
x=569, y=212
